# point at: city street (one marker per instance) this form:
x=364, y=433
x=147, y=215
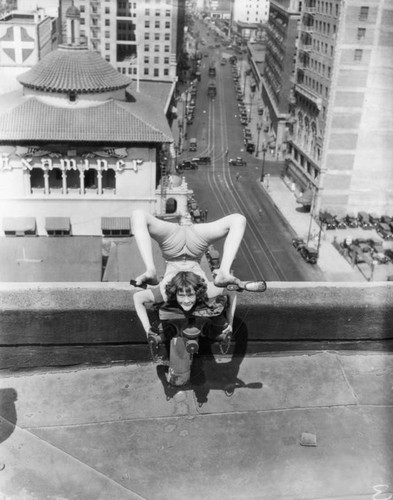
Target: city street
x=266, y=251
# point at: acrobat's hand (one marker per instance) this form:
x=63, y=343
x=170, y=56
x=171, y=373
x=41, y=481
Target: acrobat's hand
x=142, y=285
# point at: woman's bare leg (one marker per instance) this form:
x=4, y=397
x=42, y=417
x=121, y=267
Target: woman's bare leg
x=231, y=228
x=145, y=227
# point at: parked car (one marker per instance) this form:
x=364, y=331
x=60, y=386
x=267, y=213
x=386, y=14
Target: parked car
x=328, y=219
x=193, y=144
x=374, y=219
x=386, y=219
x=237, y=162
x=383, y=230
x=351, y=221
x=309, y=254
x=187, y=165
x=364, y=220
x=250, y=147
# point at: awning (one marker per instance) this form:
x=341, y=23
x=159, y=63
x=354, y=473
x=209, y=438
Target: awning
x=19, y=224
x=115, y=223
x=57, y=223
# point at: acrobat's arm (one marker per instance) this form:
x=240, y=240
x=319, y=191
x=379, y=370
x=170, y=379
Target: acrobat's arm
x=140, y=300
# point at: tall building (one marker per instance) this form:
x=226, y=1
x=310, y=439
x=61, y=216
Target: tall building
x=250, y=11
x=80, y=147
x=341, y=132
x=25, y=37
x=279, y=69
x=140, y=39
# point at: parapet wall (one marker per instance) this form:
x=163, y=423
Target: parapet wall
x=52, y=325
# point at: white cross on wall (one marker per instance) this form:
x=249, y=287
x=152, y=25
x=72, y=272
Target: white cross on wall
x=17, y=44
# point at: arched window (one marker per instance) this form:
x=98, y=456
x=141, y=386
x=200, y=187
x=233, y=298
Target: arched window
x=91, y=178
x=37, y=178
x=171, y=206
x=73, y=179
x=108, y=179
x=55, y=179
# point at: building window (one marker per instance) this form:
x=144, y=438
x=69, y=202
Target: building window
x=82, y=8
x=167, y=36
x=55, y=179
x=107, y=34
x=107, y=22
x=107, y=46
x=146, y=71
x=168, y=13
x=108, y=179
x=156, y=60
x=361, y=33
x=156, y=72
x=37, y=178
x=166, y=60
x=147, y=35
x=90, y=176
x=156, y=36
x=363, y=15
x=147, y=12
x=145, y=60
x=157, y=24
x=147, y=24
x=166, y=48
x=166, y=72
x=107, y=10
x=146, y=48
x=167, y=25
x=358, y=55
x=156, y=48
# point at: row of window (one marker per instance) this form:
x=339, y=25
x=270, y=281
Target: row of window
x=327, y=7
x=156, y=48
x=158, y=12
x=157, y=24
x=57, y=179
x=146, y=71
x=157, y=36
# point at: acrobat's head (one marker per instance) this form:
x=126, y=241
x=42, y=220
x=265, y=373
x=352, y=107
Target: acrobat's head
x=186, y=289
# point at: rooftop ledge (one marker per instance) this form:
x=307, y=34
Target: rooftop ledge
x=64, y=324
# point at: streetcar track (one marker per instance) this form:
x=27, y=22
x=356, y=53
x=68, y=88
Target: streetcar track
x=258, y=237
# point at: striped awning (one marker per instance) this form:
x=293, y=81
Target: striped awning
x=57, y=223
x=115, y=223
x=19, y=224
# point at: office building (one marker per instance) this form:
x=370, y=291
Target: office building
x=341, y=127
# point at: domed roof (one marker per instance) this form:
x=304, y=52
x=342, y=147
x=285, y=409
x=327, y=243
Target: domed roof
x=74, y=69
x=72, y=11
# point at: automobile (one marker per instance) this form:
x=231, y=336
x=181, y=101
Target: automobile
x=364, y=220
x=383, y=230
x=202, y=160
x=389, y=254
x=386, y=219
x=237, y=162
x=374, y=219
x=187, y=165
x=213, y=256
x=250, y=147
x=193, y=144
x=223, y=61
x=260, y=110
x=328, y=219
x=309, y=254
x=266, y=128
x=243, y=121
x=239, y=97
x=351, y=221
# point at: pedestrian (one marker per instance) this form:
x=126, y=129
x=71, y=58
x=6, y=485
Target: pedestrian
x=237, y=176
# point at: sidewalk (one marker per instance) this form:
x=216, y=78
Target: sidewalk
x=115, y=433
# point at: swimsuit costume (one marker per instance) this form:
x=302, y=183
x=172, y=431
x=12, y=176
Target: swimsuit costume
x=183, y=250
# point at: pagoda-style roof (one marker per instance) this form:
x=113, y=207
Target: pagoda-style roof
x=73, y=69
x=110, y=121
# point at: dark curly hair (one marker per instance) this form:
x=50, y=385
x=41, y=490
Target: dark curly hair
x=186, y=280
